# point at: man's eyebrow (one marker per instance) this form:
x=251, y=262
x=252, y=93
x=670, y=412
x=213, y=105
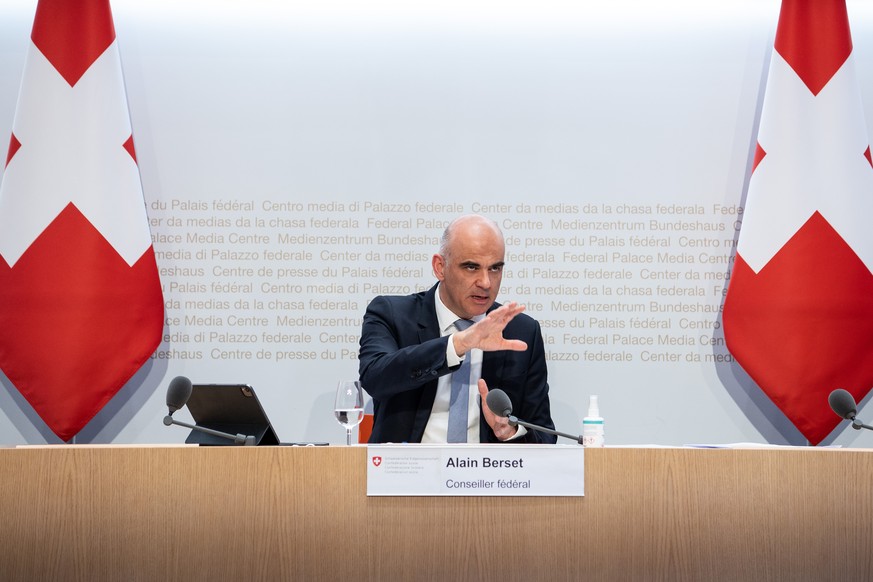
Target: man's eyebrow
x=496, y=265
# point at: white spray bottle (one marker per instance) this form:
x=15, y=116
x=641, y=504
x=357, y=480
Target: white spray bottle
x=592, y=425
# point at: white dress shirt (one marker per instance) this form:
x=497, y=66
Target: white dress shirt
x=437, y=427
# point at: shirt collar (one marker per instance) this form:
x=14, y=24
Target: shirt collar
x=445, y=317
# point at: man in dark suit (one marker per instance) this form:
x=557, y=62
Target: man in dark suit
x=411, y=345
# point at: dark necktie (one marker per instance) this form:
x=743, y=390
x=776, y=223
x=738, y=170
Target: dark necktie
x=457, y=431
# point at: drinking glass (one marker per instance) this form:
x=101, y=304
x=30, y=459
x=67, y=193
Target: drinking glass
x=349, y=406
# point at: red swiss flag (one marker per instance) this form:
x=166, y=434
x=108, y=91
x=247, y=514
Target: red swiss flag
x=81, y=307
x=798, y=315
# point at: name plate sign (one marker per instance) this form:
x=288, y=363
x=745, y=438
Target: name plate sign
x=481, y=470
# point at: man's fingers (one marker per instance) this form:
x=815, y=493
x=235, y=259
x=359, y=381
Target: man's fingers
x=483, y=389
x=505, y=313
x=483, y=394
x=487, y=334
x=514, y=345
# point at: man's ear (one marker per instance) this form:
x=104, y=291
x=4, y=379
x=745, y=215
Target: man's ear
x=438, y=263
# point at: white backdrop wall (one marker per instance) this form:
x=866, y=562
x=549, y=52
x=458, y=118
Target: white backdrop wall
x=299, y=158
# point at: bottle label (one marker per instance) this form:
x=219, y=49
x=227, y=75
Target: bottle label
x=592, y=440
x=592, y=432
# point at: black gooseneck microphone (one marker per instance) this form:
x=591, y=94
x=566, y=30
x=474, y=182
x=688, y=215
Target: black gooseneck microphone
x=843, y=404
x=501, y=405
x=178, y=393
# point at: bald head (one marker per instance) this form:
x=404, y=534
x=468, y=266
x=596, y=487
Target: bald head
x=470, y=226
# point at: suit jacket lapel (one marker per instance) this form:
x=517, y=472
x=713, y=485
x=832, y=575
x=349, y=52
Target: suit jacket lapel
x=428, y=329
x=428, y=326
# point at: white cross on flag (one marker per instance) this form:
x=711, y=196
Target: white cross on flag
x=81, y=306
x=798, y=315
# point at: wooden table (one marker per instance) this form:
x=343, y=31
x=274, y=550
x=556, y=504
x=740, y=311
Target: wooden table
x=301, y=513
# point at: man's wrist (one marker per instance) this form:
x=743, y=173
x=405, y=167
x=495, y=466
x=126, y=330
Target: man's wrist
x=458, y=344
x=520, y=431
x=452, y=357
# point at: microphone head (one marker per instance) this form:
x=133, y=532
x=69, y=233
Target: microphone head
x=178, y=393
x=843, y=403
x=499, y=402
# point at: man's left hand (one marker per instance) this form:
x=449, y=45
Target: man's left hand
x=500, y=425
